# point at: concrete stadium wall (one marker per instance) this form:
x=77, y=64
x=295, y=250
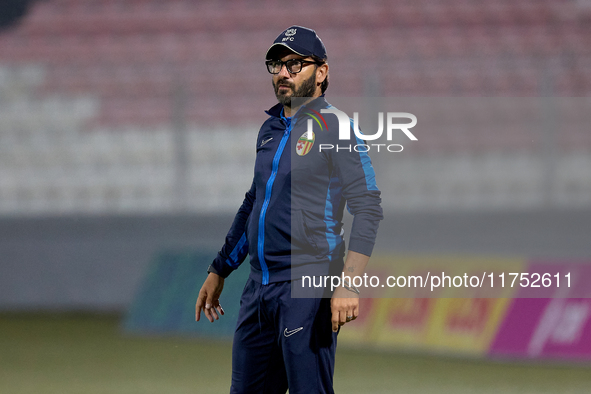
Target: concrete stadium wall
x=97, y=263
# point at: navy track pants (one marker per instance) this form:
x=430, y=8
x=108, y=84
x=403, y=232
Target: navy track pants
x=282, y=342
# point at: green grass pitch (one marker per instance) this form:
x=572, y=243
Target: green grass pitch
x=73, y=354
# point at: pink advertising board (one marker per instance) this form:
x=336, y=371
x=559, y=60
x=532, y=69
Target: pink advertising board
x=549, y=328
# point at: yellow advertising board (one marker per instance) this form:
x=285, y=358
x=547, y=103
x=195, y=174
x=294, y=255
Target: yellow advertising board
x=454, y=319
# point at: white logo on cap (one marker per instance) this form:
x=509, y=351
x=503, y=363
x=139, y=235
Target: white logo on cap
x=290, y=32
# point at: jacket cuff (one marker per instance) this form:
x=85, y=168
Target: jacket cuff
x=361, y=246
x=220, y=268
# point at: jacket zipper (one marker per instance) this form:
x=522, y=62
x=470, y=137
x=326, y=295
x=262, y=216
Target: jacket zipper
x=268, y=189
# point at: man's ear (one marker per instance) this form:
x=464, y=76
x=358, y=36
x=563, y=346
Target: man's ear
x=321, y=73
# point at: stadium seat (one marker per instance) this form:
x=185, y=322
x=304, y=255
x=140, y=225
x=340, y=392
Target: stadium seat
x=109, y=70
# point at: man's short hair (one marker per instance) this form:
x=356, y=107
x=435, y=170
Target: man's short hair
x=324, y=84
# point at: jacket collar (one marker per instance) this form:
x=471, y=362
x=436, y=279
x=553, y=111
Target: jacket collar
x=317, y=103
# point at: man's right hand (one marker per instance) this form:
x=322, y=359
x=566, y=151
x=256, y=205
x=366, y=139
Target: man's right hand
x=208, y=300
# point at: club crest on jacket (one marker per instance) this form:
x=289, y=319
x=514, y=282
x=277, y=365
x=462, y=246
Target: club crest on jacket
x=305, y=143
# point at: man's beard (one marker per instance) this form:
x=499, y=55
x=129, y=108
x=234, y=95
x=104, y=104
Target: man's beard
x=307, y=89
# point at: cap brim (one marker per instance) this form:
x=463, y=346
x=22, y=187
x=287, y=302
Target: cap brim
x=297, y=51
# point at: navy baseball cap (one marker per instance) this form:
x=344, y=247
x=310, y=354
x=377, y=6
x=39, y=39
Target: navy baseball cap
x=299, y=40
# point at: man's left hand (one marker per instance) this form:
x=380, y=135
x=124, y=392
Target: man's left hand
x=344, y=306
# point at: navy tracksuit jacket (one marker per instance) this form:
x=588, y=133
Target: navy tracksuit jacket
x=290, y=222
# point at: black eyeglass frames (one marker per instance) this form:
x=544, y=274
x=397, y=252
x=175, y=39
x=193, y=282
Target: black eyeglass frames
x=293, y=66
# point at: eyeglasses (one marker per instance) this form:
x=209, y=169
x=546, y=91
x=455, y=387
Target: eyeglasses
x=293, y=66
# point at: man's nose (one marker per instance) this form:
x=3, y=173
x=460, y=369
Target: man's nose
x=283, y=71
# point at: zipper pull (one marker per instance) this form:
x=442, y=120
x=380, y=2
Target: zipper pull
x=288, y=128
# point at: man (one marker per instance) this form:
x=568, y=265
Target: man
x=290, y=224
